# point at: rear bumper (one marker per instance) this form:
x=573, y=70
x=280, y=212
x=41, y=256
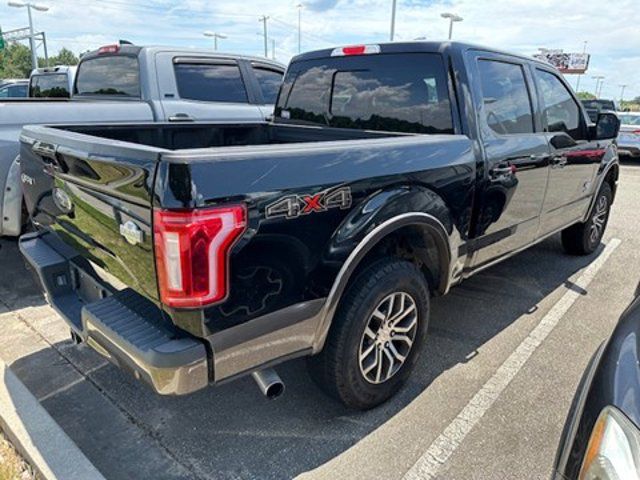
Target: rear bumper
x=123, y=326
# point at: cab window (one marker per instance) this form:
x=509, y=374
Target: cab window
x=561, y=112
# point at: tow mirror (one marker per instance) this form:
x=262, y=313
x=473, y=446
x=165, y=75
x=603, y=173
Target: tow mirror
x=606, y=128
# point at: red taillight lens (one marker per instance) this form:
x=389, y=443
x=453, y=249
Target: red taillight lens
x=637, y=132
x=355, y=50
x=192, y=249
x=109, y=49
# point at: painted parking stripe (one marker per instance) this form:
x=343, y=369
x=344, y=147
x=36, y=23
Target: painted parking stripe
x=452, y=436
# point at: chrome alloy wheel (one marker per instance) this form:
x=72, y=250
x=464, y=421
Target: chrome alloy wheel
x=388, y=337
x=598, y=220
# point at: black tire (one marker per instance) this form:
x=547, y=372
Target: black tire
x=580, y=239
x=337, y=369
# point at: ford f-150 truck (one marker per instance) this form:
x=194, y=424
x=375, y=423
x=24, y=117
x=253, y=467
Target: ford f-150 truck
x=194, y=254
x=127, y=83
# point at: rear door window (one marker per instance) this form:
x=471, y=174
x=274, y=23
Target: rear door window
x=269, y=81
x=505, y=97
x=399, y=93
x=210, y=82
x=109, y=75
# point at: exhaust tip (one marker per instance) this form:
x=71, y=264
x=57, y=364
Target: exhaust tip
x=269, y=383
x=275, y=390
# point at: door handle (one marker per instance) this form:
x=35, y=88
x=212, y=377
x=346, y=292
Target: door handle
x=559, y=161
x=501, y=171
x=180, y=117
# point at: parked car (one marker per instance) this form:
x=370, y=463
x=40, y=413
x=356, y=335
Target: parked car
x=193, y=254
x=126, y=83
x=52, y=82
x=595, y=106
x=13, y=88
x=601, y=437
x=629, y=136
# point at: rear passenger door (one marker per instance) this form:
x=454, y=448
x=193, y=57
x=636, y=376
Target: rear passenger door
x=574, y=159
x=199, y=88
x=516, y=152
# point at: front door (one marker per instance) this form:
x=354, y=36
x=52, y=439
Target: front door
x=516, y=152
x=574, y=159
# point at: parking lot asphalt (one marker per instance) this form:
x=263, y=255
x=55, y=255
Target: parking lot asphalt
x=232, y=432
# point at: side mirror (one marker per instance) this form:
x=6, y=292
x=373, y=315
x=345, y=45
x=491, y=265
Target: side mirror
x=606, y=128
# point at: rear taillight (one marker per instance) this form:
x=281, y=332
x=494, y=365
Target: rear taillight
x=109, y=49
x=192, y=253
x=637, y=132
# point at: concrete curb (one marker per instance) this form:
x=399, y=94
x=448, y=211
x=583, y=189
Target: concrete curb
x=37, y=436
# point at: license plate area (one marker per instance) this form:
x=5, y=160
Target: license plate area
x=86, y=286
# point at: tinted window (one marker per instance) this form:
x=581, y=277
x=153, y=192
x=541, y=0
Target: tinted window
x=269, y=81
x=400, y=92
x=561, y=112
x=50, y=86
x=13, y=91
x=507, y=106
x=110, y=75
x=210, y=83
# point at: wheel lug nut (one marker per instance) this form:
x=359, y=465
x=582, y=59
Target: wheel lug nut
x=386, y=344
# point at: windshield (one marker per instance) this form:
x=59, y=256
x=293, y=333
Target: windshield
x=398, y=93
x=109, y=75
x=628, y=119
x=599, y=104
x=54, y=85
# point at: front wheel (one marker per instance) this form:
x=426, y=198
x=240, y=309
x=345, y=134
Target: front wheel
x=376, y=336
x=584, y=238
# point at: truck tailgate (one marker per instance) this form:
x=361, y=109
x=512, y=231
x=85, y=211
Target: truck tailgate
x=95, y=195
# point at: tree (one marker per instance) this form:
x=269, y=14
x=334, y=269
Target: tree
x=15, y=61
x=586, y=96
x=64, y=57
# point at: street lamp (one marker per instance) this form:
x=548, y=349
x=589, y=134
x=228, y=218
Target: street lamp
x=215, y=36
x=599, y=81
x=393, y=20
x=452, y=18
x=32, y=40
x=299, y=6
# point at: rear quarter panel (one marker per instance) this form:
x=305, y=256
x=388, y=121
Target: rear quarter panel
x=286, y=259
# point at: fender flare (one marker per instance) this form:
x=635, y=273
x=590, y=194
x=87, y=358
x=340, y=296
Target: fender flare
x=443, y=244
x=602, y=176
x=11, y=224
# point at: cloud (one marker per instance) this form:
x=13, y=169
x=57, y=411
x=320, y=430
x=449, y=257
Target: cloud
x=521, y=26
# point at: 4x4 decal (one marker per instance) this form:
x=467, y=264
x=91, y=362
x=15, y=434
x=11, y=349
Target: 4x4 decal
x=293, y=206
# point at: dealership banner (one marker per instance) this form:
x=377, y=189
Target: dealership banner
x=565, y=62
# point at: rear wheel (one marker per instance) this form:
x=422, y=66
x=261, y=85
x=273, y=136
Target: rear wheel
x=584, y=238
x=376, y=336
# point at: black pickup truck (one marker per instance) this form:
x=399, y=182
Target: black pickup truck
x=191, y=254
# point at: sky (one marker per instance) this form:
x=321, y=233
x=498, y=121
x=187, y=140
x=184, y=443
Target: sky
x=611, y=29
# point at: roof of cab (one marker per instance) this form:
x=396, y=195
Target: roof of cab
x=136, y=50
x=417, y=47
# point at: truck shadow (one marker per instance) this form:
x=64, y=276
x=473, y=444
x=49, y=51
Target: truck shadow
x=233, y=432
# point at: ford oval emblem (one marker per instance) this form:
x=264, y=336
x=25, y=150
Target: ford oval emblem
x=131, y=232
x=62, y=200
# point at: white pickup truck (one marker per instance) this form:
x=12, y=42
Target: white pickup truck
x=127, y=83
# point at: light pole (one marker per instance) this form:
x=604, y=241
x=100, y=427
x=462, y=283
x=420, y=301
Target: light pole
x=32, y=40
x=598, y=79
x=393, y=20
x=299, y=6
x=584, y=50
x=452, y=18
x=215, y=36
x=623, y=86
x=264, y=19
